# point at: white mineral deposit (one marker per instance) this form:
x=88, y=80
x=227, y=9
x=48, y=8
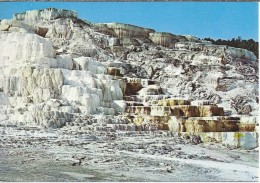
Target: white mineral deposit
x=82, y=101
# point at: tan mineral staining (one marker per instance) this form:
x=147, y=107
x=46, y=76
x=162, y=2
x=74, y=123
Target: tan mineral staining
x=56, y=68
x=124, y=30
x=172, y=114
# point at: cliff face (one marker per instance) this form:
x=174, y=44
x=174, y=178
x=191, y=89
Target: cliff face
x=55, y=68
x=35, y=16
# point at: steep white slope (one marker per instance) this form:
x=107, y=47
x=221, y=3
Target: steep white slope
x=32, y=75
x=51, y=54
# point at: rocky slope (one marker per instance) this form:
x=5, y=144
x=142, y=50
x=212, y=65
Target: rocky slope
x=58, y=70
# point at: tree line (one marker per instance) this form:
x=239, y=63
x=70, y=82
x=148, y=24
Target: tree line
x=249, y=44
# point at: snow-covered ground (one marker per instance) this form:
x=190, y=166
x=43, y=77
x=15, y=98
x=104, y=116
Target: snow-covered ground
x=59, y=155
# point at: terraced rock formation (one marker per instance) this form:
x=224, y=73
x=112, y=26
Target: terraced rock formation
x=57, y=69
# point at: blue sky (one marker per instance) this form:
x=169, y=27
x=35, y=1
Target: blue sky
x=203, y=19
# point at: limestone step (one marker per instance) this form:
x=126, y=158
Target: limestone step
x=178, y=110
x=201, y=102
x=171, y=102
x=114, y=71
x=244, y=140
x=133, y=103
x=230, y=125
x=147, y=98
x=133, y=127
x=216, y=118
x=247, y=127
x=133, y=98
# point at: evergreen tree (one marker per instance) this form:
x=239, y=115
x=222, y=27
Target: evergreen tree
x=249, y=44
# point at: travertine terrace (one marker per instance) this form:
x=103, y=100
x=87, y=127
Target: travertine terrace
x=67, y=75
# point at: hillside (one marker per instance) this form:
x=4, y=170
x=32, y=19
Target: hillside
x=64, y=78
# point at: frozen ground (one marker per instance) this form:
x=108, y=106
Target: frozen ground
x=28, y=154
